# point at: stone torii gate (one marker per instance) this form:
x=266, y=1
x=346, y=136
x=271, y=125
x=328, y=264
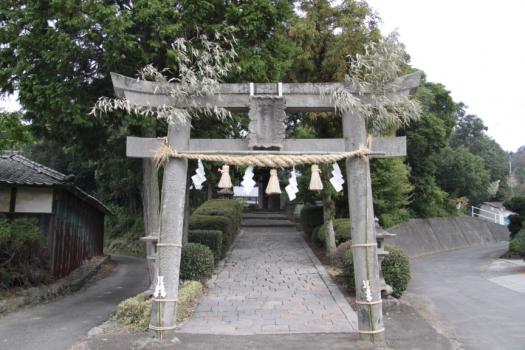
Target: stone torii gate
x=267, y=104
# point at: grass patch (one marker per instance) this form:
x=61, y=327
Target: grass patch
x=136, y=311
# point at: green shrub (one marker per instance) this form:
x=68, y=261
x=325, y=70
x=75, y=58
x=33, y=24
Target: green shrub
x=341, y=228
x=517, y=244
x=23, y=254
x=517, y=221
x=223, y=207
x=395, y=267
x=311, y=217
x=396, y=270
x=196, y=262
x=136, y=311
x=210, y=238
x=211, y=222
x=340, y=252
x=347, y=265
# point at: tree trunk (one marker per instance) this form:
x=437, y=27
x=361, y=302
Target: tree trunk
x=150, y=204
x=328, y=216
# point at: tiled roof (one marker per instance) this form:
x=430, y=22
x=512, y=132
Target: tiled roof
x=18, y=170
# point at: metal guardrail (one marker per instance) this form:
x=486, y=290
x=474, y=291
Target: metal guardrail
x=487, y=215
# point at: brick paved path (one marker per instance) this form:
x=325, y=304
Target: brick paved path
x=271, y=283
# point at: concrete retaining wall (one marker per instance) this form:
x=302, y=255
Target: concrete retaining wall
x=426, y=236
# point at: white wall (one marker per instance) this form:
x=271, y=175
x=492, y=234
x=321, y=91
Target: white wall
x=34, y=200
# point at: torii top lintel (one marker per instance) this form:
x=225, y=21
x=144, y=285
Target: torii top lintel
x=299, y=97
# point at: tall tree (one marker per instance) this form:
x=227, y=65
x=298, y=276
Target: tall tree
x=462, y=174
x=326, y=34
x=470, y=132
x=58, y=55
x=426, y=138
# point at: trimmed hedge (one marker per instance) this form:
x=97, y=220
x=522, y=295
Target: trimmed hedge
x=395, y=267
x=212, y=222
x=210, y=238
x=223, y=207
x=341, y=228
x=517, y=244
x=196, y=262
x=311, y=217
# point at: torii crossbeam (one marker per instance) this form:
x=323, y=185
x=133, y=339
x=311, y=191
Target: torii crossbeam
x=267, y=104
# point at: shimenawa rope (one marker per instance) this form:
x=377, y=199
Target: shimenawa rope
x=274, y=160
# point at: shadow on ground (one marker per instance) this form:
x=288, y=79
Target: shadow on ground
x=406, y=330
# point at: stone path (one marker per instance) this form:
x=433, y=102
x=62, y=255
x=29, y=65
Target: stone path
x=271, y=283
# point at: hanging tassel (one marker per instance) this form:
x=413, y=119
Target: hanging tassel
x=315, y=181
x=225, y=181
x=273, y=184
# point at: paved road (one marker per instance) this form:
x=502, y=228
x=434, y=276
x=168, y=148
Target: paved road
x=56, y=325
x=478, y=299
x=271, y=283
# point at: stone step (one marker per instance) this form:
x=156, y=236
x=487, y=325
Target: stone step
x=266, y=223
x=268, y=215
x=265, y=216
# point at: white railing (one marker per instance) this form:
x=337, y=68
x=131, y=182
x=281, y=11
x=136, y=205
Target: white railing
x=486, y=215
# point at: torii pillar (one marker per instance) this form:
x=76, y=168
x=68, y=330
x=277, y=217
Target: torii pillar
x=266, y=119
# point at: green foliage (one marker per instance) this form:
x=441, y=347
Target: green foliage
x=347, y=266
x=136, y=311
x=470, y=133
x=23, y=260
x=13, y=133
x=425, y=139
x=391, y=190
x=196, y=262
x=322, y=54
x=341, y=228
x=58, y=55
x=517, y=244
x=517, y=221
x=210, y=238
x=311, y=217
x=396, y=270
x=120, y=222
x=517, y=180
x=395, y=267
x=214, y=222
x=212, y=217
x=340, y=252
x=222, y=207
x=462, y=174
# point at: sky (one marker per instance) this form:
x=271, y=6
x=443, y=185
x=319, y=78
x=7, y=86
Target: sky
x=475, y=48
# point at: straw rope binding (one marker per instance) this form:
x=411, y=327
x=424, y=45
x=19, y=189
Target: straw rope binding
x=271, y=160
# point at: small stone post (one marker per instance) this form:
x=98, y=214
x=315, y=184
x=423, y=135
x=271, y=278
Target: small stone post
x=163, y=314
x=364, y=246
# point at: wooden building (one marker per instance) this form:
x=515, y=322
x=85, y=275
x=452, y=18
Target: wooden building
x=70, y=220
